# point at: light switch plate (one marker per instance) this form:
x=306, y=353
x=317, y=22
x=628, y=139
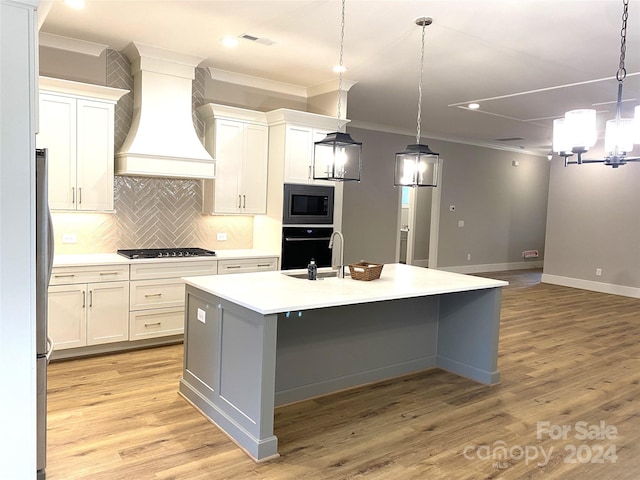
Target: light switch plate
x=202, y=315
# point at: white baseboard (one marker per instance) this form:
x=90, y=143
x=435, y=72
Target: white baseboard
x=493, y=267
x=625, y=291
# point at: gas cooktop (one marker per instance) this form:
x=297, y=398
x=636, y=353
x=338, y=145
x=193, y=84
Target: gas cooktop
x=166, y=252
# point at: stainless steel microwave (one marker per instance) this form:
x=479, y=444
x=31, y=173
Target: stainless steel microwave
x=307, y=204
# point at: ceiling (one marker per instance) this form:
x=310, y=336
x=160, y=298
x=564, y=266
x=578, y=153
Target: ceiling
x=525, y=62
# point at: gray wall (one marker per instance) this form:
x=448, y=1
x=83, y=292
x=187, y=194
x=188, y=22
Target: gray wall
x=504, y=207
x=594, y=222
x=371, y=207
x=422, y=228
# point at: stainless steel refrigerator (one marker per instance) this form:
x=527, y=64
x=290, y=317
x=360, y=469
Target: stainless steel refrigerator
x=44, y=262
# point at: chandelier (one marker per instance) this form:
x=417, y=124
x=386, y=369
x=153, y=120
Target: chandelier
x=576, y=132
x=417, y=164
x=338, y=157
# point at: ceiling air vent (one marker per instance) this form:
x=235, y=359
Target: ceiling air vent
x=262, y=41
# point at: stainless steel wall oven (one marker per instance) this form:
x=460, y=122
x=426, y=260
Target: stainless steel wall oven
x=301, y=244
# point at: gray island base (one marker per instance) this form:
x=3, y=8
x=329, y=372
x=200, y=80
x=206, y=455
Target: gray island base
x=260, y=340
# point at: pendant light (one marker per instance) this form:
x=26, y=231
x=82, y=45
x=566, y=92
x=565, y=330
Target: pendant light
x=417, y=165
x=576, y=132
x=338, y=157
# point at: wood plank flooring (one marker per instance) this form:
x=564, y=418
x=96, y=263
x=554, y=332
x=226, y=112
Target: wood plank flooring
x=566, y=356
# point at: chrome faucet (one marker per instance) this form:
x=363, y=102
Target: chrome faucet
x=341, y=266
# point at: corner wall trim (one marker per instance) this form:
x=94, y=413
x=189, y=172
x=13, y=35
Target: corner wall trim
x=622, y=290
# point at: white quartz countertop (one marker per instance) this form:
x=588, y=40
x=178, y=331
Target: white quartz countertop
x=275, y=292
x=75, y=260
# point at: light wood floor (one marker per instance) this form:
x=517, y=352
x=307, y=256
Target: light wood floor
x=566, y=356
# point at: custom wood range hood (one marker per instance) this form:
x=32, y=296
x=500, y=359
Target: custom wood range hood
x=162, y=141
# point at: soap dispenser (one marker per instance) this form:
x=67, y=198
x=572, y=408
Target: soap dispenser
x=312, y=269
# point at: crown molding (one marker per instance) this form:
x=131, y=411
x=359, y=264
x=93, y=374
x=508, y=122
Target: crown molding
x=71, y=44
x=257, y=82
x=331, y=86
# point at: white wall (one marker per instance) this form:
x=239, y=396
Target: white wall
x=17, y=242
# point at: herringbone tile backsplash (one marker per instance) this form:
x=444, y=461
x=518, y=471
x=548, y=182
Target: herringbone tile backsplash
x=149, y=212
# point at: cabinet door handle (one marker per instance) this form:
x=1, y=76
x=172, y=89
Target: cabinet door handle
x=309, y=174
x=108, y=273
x=157, y=324
x=62, y=275
x=80, y=195
x=147, y=295
x=73, y=194
x=239, y=201
x=84, y=299
x=244, y=201
x=90, y=298
x=264, y=265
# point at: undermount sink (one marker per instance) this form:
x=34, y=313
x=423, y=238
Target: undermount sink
x=305, y=275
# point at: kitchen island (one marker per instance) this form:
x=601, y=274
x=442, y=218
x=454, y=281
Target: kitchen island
x=258, y=340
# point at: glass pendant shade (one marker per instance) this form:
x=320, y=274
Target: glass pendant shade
x=337, y=157
x=561, y=142
x=581, y=130
x=618, y=137
x=417, y=166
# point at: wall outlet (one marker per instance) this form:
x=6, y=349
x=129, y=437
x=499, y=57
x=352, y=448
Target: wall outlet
x=598, y=272
x=460, y=223
x=468, y=257
x=69, y=238
x=202, y=315
x=221, y=236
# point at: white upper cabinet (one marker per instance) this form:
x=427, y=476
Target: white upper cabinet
x=238, y=139
x=292, y=137
x=76, y=126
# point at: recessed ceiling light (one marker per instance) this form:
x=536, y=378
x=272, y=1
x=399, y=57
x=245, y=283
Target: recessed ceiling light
x=339, y=69
x=473, y=106
x=229, y=42
x=76, y=4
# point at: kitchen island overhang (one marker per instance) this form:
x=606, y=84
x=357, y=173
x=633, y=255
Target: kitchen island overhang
x=258, y=340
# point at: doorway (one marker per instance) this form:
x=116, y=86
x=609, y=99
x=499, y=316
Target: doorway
x=418, y=221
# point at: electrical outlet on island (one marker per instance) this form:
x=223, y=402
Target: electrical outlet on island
x=221, y=237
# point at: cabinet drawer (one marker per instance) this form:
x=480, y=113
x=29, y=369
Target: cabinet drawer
x=171, y=268
x=247, y=265
x=156, y=323
x=89, y=274
x=145, y=294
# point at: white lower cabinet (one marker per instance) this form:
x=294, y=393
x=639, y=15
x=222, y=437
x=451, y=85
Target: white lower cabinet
x=156, y=323
x=88, y=314
x=156, y=296
x=246, y=265
x=100, y=304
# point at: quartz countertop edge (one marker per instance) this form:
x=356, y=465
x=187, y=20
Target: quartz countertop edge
x=279, y=292
x=80, y=259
